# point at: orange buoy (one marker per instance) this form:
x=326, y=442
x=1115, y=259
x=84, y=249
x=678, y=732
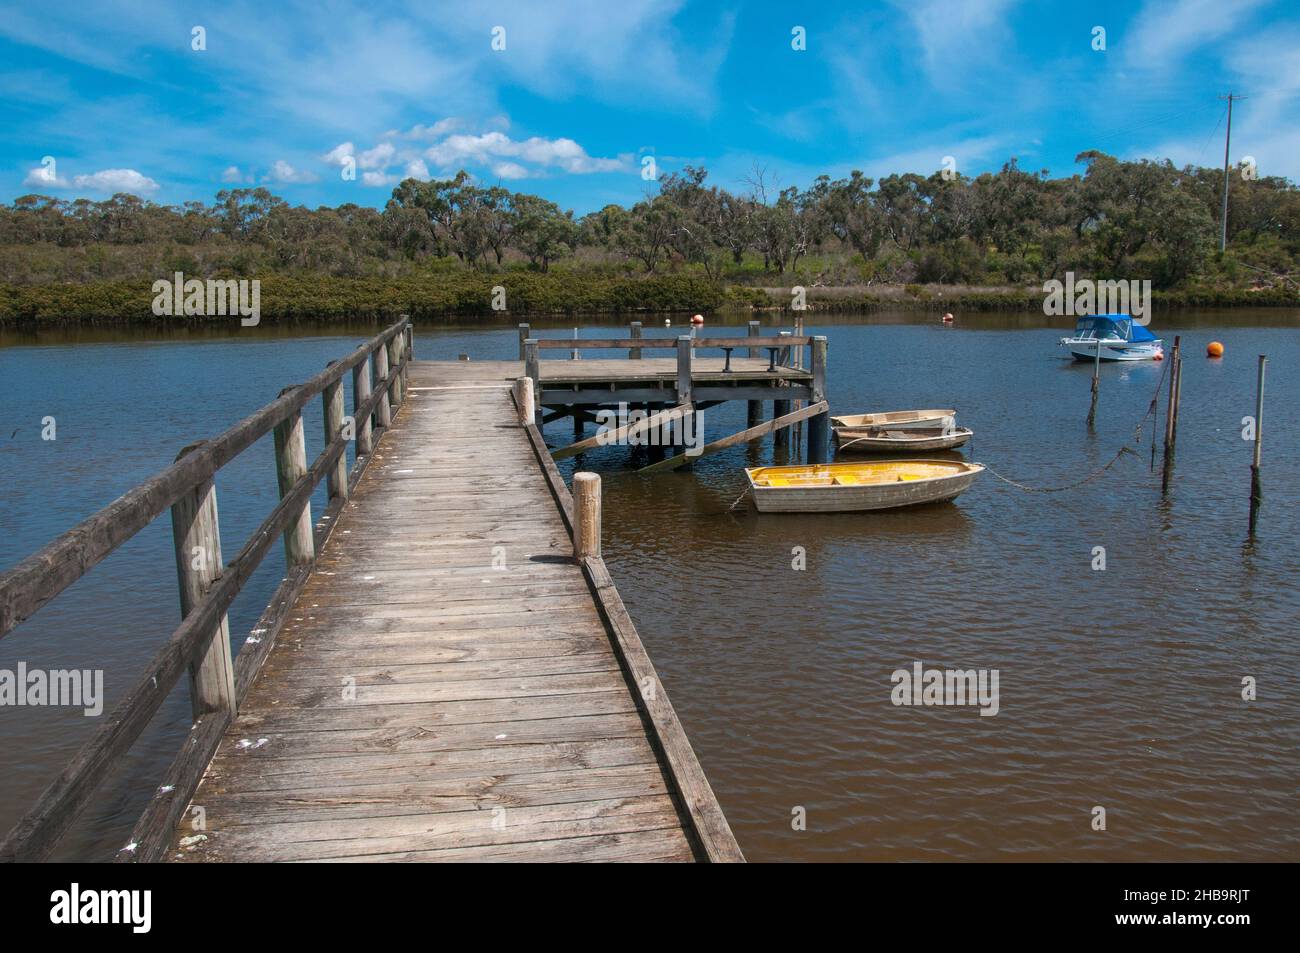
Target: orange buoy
x=1214, y=349
x=947, y=318
x=698, y=319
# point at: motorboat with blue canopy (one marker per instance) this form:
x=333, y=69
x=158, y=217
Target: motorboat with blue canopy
x=1119, y=337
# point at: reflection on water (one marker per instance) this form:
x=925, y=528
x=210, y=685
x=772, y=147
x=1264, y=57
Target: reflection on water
x=1119, y=688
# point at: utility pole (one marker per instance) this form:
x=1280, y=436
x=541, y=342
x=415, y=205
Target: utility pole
x=1227, y=144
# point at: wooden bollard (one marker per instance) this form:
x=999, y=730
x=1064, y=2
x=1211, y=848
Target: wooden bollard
x=1256, y=486
x=336, y=478
x=523, y=388
x=197, y=536
x=533, y=371
x=634, y=330
x=361, y=394
x=586, y=515
x=290, y=466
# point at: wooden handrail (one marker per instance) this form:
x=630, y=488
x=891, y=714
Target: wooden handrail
x=578, y=344
x=43, y=575
x=39, y=831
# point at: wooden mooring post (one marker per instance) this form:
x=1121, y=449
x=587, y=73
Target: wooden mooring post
x=1256, y=486
x=586, y=515
x=524, y=400
x=1096, y=387
x=1171, y=412
x=634, y=331
x=533, y=371
x=523, y=339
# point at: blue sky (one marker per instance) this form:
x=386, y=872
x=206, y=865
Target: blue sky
x=285, y=92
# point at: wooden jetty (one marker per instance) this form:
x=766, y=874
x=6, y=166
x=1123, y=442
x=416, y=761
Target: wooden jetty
x=446, y=671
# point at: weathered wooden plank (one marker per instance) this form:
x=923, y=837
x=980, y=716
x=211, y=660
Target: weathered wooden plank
x=751, y=433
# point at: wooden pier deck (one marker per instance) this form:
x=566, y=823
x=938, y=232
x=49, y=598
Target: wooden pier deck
x=445, y=687
x=446, y=671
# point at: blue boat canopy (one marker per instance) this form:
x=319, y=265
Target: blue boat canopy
x=1119, y=325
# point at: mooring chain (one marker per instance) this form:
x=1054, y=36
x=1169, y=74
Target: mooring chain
x=1070, y=486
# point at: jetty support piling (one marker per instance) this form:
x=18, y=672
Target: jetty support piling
x=634, y=331
x=523, y=339
x=819, y=426
x=754, y=409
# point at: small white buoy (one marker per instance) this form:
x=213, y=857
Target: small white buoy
x=668, y=322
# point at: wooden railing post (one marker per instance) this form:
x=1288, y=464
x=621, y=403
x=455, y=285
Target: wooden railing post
x=408, y=352
x=523, y=338
x=533, y=371
x=754, y=409
x=634, y=329
x=361, y=394
x=683, y=369
x=394, y=349
x=819, y=433
x=523, y=388
x=384, y=412
x=197, y=535
x=332, y=401
x=786, y=356
x=586, y=515
x=290, y=466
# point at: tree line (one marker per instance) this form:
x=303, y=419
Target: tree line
x=1118, y=219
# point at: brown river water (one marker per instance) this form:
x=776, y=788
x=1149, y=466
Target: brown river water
x=1118, y=688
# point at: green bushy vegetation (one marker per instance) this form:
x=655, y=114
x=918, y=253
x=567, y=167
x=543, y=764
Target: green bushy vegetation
x=438, y=248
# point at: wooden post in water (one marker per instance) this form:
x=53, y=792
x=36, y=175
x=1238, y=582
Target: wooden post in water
x=1171, y=415
x=361, y=394
x=197, y=536
x=754, y=409
x=384, y=412
x=332, y=400
x=533, y=371
x=819, y=427
x=1256, y=486
x=523, y=336
x=586, y=515
x=1096, y=386
x=290, y=466
x=634, y=329
x=523, y=388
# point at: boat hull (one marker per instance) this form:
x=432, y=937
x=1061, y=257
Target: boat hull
x=831, y=497
x=862, y=440
x=1086, y=350
x=897, y=419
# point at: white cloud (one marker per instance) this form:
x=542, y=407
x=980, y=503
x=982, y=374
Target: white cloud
x=416, y=169
x=564, y=154
x=232, y=174
x=380, y=157
x=509, y=170
x=339, y=155
x=378, y=179
x=284, y=174
x=44, y=177
x=116, y=180
x=1166, y=30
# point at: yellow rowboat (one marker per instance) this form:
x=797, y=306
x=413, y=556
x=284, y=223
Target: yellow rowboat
x=850, y=487
x=898, y=419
